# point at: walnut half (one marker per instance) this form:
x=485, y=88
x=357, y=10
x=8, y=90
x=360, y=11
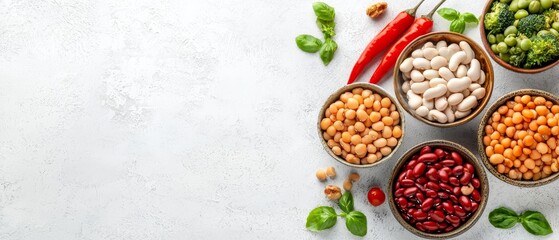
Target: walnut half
x=376, y=9
x=333, y=192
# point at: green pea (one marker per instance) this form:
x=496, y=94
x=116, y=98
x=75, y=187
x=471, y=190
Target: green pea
x=555, y=26
x=500, y=37
x=491, y=38
x=554, y=32
x=504, y=56
x=514, y=6
x=543, y=32
x=535, y=7
x=494, y=48
x=516, y=22
x=521, y=14
x=546, y=4
x=523, y=3
x=505, y=1
x=502, y=47
x=515, y=50
x=510, y=30
x=510, y=41
x=526, y=44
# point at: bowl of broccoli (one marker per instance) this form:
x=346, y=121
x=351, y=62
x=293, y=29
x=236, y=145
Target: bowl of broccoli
x=522, y=35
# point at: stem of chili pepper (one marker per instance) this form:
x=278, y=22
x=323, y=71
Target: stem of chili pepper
x=383, y=39
x=421, y=26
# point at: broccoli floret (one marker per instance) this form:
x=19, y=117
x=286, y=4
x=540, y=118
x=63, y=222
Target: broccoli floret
x=518, y=60
x=531, y=24
x=551, y=15
x=499, y=18
x=545, y=48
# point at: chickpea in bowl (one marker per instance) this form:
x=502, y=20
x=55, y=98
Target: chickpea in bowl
x=361, y=125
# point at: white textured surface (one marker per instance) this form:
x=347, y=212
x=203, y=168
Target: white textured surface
x=193, y=120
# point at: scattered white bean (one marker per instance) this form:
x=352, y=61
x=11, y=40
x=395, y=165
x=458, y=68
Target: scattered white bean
x=438, y=115
x=407, y=65
x=435, y=92
x=475, y=70
x=467, y=104
x=436, y=81
x=441, y=104
x=462, y=71
x=430, y=74
x=422, y=111
x=430, y=53
x=479, y=93
x=469, y=52
x=455, y=99
x=446, y=73
x=417, y=76
x=414, y=100
x=421, y=63
x=438, y=62
x=417, y=53
x=458, y=84
x=419, y=87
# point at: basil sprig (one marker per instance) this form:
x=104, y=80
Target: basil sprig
x=325, y=22
x=458, y=20
x=325, y=217
x=534, y=222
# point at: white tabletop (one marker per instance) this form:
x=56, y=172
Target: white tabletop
x=195, y=120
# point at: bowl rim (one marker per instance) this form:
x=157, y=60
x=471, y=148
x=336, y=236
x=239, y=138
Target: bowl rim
x=481, y=132
x=483, y=36
x=489, y=81
x=335, y=96
x=469, y=157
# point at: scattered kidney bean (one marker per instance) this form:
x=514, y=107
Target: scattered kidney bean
x=429, y=193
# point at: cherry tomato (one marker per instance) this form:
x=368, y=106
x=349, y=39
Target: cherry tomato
x=376, y=196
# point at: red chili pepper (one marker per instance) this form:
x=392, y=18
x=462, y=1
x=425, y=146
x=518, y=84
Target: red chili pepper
x=421, y=26
x=383, y=39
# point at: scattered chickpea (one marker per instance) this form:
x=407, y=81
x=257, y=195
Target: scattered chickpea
x=331, y=172
x=347, y=185
x=521, y=138
x=361, y=126
x=354, y=177
x=321, y=175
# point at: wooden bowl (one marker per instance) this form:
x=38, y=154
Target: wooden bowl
x=448, y=37
x=335, y=96
x=481, y=132
x=467, y=156
x=496, y=58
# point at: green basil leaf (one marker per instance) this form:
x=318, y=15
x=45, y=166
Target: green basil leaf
x=327, y=27
x=308, y=43
x=469, y=18
x=356, y=223
x=346, y=202
x=327, y=51
x=503, y=218
x=323, y=11
x=321, y=218
x=457, y=26
x=448, y=13
x=535, y=223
